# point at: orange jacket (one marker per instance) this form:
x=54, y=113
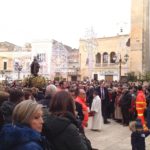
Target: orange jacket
x=84, y=109
x=140, y=101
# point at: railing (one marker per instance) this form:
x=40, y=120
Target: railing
x=105, y=64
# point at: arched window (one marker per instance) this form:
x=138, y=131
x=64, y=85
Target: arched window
x=98, y=58
x=112, y=56
x=105, y=57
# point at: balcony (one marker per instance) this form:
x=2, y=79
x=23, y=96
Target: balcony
x=99, y=65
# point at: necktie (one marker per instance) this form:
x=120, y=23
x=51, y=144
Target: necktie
x=102, y=93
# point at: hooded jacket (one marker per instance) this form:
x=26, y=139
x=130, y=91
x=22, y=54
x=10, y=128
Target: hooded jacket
x=63, y=132
x=20, y=138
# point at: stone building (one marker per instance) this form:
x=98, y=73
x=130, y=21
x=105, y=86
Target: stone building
x=56, y=59
x=101, y=60
x=73, y=64
x=14, y=61
x=42, y=50
x=140, y=49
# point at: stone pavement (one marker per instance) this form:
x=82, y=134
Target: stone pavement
x=113, y=136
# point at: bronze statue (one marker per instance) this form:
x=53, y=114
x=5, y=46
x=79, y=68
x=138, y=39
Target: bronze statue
x=35, y=67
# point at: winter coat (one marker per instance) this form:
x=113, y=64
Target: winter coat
x=148, y=116
x=125, y=101
x=63, y=132
x=6, y=110
x=16, y=137
x=138, y=140
x=84, y=110
x=46, y=101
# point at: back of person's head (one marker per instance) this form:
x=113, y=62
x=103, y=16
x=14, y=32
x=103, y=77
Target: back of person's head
x=61, y=103
x=136, y=125
x=95, y=92
x=61, y=83
x=34, y=90
x=139, y=87
x=27, y=93
x=50, y=90
x=3, y=96
x=132, y=126
x=24, y=111
x=16, y=95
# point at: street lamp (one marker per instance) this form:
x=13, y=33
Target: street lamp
x=120, y=62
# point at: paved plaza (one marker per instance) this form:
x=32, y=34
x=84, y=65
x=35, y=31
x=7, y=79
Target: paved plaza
x=112, y=137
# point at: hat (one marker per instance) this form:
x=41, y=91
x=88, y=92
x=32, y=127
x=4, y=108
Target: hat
x=138, y=124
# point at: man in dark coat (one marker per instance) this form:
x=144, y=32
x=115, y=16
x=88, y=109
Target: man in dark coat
x=125, y=104
x=103, y=93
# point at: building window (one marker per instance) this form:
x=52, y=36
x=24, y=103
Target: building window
x=87, y=61
x=41, y=57
x=112, y=56
x=105, y=57
x=5, y=65
x=98, y=58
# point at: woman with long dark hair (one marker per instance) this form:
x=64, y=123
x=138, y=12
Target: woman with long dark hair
x=61, y=127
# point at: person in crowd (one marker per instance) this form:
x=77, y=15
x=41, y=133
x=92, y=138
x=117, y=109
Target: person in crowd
x=24, y=133
x=61, y=126
x=132, y=109
x=96, y=112
x=125, y=104
x=148, y=107
x=112, y=97
x=27, y=93
x=62, y=85
x=78, y=107
x=138, y=135
x=141, y=105
x=112, y=102
x=49, y=93
x=40, y=94
x=81, y=99
x=7, y=107
x=34, y=91
x=103, y=93
x=3, y=97
x=89, y=96
x=118, y=113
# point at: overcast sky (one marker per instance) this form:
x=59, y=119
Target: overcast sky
x=64, y=20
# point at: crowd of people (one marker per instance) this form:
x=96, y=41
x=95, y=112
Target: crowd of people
x=55, y=117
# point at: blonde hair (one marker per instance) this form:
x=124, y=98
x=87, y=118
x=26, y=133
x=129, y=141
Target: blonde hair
x=132, y=126
x=24, y=111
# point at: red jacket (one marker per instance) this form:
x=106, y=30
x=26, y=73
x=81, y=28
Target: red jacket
x=140, y=101
x=84, y=109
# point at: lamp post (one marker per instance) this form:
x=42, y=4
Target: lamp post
x=120, y=62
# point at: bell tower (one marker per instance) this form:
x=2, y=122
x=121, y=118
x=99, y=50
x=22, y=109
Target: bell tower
x=140, y=45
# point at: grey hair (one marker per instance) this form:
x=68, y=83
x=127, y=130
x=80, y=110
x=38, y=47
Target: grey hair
x=50, y=90
x=24, y=111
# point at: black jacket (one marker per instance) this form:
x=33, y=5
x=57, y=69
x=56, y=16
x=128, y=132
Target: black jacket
x=125, y=101
x=138, y=140
x=106, y=95
x=63, y=132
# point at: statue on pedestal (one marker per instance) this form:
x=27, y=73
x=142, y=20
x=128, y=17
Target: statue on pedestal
x=35, y=67
x=35, y=80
